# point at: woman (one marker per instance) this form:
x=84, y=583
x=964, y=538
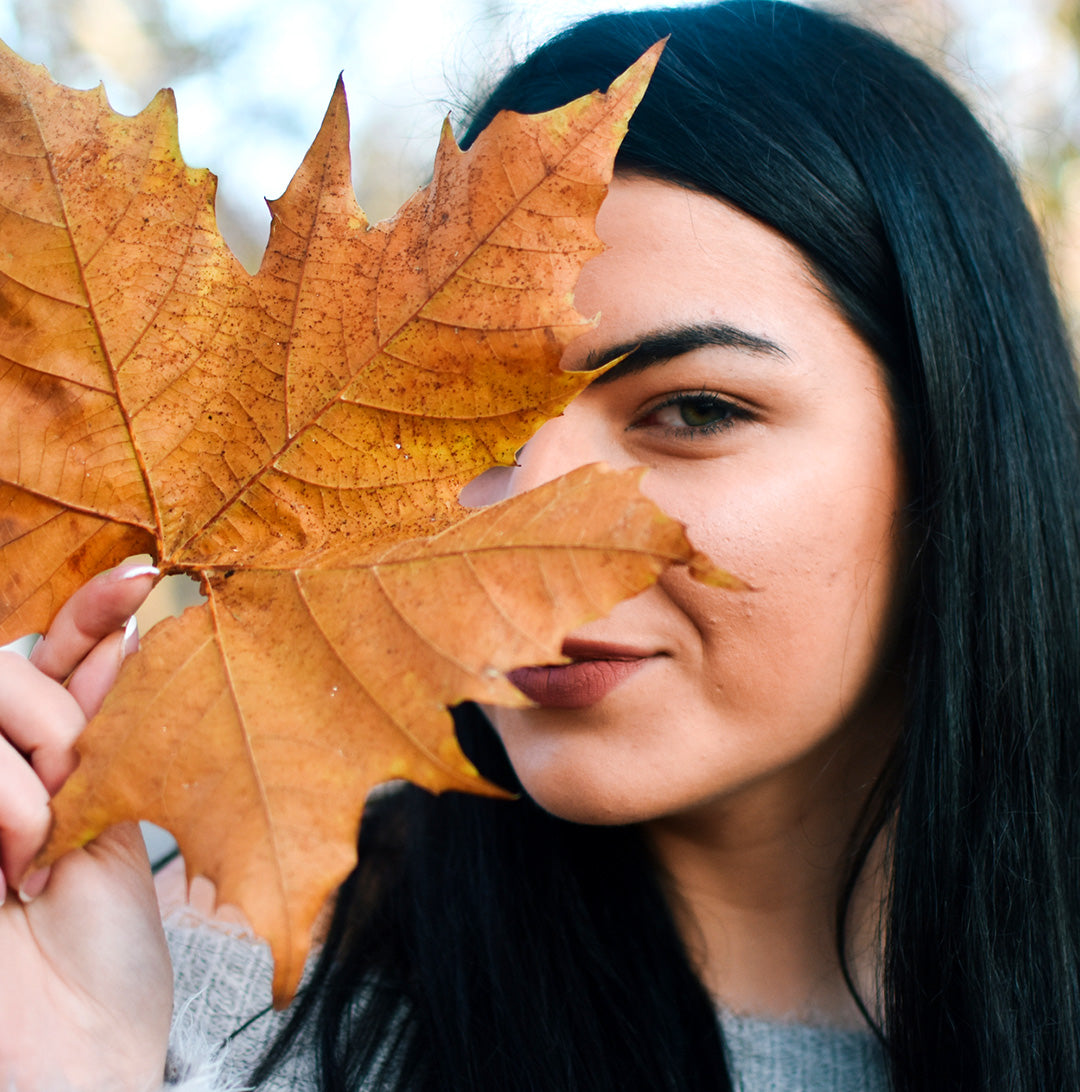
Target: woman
x=843, y=801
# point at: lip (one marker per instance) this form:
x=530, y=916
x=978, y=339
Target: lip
x=596, y=669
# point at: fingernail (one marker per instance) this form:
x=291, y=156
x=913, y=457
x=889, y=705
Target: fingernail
x=34, y=884
x=130, y=641
x=134, y=571
x=131, y=635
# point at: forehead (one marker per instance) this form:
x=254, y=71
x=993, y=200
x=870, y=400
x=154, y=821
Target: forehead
x=676, y=256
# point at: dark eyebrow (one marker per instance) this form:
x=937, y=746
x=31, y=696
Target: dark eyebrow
x=663, y=345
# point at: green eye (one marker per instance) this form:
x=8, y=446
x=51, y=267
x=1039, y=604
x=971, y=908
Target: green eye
x=697, y=412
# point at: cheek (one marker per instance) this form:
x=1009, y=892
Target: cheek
x=819, y=546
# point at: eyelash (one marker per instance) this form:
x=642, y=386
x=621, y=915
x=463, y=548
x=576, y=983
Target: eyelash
x=732, y=413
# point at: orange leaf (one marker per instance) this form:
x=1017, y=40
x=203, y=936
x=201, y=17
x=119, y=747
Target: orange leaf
x=298, y=438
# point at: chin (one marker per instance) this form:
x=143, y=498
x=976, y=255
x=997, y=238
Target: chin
x=580, y=796
x=592, y=767
x=598, y=811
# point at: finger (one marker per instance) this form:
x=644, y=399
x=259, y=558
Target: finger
x=94, y=677
x=41, y=719
x=24, y=813
x=97, y=609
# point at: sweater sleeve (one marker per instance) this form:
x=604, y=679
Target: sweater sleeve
x=223, y=1022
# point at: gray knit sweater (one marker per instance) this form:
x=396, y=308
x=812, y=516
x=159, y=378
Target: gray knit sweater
x=223, y=981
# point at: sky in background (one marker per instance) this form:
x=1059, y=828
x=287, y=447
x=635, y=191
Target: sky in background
x=252, y=77
x=251, y=114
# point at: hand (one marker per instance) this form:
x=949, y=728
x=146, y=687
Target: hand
x=85, y=982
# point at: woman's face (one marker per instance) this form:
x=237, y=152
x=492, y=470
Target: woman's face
x=769, y=432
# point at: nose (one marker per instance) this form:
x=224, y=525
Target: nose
x=581, y=435
x=578, y=437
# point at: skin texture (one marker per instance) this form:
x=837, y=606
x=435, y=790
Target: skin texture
x=748, y=737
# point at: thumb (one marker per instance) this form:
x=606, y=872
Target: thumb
x=123, y=842
x=121, y=848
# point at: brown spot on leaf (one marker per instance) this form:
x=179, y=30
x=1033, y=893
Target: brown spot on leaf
x=12, y=110
x=12, y=307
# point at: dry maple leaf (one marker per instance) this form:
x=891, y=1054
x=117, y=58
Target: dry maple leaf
x=297, y=439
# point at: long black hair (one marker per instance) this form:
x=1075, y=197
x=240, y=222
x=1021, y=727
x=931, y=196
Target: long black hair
x=491, y=946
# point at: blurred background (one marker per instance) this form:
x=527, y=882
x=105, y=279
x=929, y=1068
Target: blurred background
x=252, y=79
